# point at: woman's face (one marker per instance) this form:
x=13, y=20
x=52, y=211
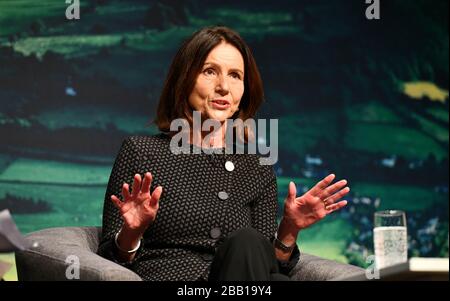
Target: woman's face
x=220, y=85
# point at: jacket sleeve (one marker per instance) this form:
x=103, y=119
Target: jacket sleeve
x=126, y=165
x=264, y=216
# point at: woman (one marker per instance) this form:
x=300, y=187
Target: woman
x=206, y=216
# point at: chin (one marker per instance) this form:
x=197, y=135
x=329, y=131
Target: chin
x=219, y=116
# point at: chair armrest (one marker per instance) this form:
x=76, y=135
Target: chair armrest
x=46, y=259
x=313, y=268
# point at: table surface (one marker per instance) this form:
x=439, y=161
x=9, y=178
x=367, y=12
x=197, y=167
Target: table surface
x=415, y=269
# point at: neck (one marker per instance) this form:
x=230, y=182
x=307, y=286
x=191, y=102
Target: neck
x=209, y=139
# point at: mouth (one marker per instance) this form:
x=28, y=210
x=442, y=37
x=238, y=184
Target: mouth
x=220, y=104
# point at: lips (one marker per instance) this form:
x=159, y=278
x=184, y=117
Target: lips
x=221, y=101
x=220, y=104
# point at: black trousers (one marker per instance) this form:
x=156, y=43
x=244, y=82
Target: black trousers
x=246, y=255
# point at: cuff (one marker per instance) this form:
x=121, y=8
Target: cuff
x=108, y=250
x=287, y=266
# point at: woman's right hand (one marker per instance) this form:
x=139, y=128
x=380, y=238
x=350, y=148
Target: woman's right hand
x=138, y=208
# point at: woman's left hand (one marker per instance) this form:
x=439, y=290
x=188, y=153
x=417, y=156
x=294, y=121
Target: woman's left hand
x=321, y=200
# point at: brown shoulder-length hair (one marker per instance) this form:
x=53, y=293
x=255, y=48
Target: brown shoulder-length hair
x=187, y=65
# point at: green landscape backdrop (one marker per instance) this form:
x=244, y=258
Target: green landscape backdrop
x=365, y=99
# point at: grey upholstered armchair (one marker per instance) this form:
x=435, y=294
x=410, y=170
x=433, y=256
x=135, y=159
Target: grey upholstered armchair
x=46, y=260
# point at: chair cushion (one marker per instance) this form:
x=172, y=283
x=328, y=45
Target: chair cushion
x=56, y=254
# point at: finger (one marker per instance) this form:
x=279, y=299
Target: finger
x=125, y=191
x=116, y=201
x=335, y=207
x=330, y=190
x=155, y=196
x=146, y=183
x=292, y=191
x=136, y=185
x=317, y=189
x=335, y=197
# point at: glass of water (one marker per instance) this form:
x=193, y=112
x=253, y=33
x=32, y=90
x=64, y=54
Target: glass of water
x=390, y=238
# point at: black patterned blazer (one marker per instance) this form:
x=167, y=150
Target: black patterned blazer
x=201, y=204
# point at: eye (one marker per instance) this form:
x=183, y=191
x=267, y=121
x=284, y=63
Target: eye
x=209, y=71
x=235, y=75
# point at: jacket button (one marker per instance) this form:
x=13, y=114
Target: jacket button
x=215, y=233
x=223, y=195
x=229, y=166
x=207, y=257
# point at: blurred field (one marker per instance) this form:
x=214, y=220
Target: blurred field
x=93, y=116
x=81, y=206
x=326, y=239
x=439, y=113
x=374, y=127
x=402, y=140
x=84, y=202
x=11, y=275
x=403, y=197
x=410, y=198
x=310, y=127
x=322, y=82
x=53, y=172
x=15, y=15
x=72, y=206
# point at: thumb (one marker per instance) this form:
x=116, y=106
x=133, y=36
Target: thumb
x=292, y=191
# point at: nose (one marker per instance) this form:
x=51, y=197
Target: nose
x=222, y=86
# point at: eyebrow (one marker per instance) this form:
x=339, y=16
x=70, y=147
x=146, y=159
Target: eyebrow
x=216, y=65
